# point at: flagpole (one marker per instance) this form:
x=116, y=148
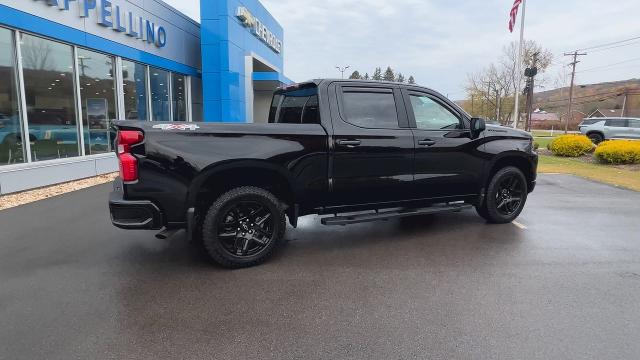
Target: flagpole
x=519, y=67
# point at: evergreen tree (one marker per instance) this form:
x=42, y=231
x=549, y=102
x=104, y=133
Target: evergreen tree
x=412, y=80
x=400, y=78
x=377, y=75
x=389, y=75
x=366, y=76
x=355, y=75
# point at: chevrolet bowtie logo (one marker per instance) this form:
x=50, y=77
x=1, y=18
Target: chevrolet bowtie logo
x=259, y=29
x=246, y=17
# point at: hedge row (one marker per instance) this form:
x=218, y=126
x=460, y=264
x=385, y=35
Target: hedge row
x=619, y=152
x=611, y=152
x=571, y=145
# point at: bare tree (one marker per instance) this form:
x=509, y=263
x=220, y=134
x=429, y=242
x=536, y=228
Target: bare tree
x=491, y=91
x=37, y=55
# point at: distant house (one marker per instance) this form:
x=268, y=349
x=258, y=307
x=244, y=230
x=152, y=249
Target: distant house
x=541, y=119
x=606, y=113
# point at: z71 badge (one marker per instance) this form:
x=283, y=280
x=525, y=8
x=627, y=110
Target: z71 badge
x=191, y=127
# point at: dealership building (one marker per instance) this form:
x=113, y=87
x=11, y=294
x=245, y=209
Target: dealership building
x=69, y=67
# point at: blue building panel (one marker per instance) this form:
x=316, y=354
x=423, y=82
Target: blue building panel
x=210, y=32
x=235, y=88
x=237, y=42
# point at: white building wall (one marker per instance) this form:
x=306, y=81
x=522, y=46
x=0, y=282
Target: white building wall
x=19, y=177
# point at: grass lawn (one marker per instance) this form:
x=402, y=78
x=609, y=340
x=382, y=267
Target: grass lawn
x=610, y=174
x=543, y=141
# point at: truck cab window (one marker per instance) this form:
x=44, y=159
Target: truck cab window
x=295, y=107
x=376, y=110
x=430, y=115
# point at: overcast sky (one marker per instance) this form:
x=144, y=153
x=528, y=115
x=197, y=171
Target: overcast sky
x=440, y=41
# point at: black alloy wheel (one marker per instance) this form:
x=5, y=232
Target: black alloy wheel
x=509, y=194
x=246, y=228
x=243, y=227
x=505, y=197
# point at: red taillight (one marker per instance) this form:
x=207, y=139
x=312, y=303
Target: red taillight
x=128, y=162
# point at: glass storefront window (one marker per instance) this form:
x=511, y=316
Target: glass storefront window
x=196, y=99
x=11, y=144
x=179, y=104
x=134, y=78
x=49, y=92
x=159, y=94
x=97, y=96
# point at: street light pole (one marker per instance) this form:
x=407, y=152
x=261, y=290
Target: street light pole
x=342, y=69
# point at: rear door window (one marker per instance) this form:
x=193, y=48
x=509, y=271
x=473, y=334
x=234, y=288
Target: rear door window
x=370, y=109
x=634, y=123
x=616, y=122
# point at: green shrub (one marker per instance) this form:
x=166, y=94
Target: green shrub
x=570, y=145
x=619, y=152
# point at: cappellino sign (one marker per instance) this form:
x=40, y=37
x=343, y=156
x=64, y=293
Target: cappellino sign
x=111, y=14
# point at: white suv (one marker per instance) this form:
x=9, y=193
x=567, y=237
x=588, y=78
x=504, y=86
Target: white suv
x=599, y=129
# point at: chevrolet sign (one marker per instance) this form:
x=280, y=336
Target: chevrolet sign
x=259, y=29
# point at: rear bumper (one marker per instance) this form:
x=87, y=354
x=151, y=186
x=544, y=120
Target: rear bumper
x=132, y=214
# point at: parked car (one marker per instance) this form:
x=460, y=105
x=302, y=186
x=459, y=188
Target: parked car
x=600, y=129
x=355, y=150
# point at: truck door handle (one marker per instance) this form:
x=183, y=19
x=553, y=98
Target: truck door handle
x=348, y=142
x=426, y=142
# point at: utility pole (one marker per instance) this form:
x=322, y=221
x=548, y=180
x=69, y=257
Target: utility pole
x=498, y=91
x=530, y=73
x=342, y=69
x=624, y=102
x=575, y=61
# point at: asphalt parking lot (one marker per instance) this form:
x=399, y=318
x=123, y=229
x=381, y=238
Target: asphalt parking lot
x=562, y=283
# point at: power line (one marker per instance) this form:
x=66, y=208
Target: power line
x=609, y=65
x=618, y=67
x=609, y=44
x=590, y=101
x=615, y=47
x=616, y=93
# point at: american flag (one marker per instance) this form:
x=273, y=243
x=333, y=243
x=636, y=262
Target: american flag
x=514, y=14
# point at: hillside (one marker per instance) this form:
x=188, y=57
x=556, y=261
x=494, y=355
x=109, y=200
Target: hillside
x=587, y=98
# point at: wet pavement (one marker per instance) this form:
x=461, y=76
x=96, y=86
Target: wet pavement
x=562, y=283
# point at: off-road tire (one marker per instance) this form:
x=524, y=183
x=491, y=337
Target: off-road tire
x=596, y=138
x=489, y=207
x=211, y=241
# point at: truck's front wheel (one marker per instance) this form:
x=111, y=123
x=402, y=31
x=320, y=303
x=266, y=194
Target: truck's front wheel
x=243, y=227
x=506, y=196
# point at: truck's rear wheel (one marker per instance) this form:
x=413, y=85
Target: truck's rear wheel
x=243, y=227
x=506, y=196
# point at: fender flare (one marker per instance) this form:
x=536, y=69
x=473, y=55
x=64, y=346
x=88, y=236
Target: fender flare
x=212, y=170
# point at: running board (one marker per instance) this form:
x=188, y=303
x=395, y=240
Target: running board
x=384, y=215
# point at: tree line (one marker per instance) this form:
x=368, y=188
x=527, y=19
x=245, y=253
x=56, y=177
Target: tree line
x=388, y=75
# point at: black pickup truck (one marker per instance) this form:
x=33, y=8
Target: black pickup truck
x=352, y=150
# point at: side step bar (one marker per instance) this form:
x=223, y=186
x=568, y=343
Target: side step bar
x=391, y=214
